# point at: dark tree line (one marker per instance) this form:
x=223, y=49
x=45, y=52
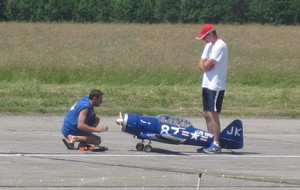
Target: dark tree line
x=277, y=12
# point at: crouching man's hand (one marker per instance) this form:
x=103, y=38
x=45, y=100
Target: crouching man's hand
x=102, y=129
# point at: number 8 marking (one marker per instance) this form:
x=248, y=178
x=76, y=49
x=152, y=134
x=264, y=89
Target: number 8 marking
x=164, y=129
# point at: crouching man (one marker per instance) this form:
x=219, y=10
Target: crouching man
x=81, y=122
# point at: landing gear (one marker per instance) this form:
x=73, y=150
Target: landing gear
x=148, y=148
x=140, y=146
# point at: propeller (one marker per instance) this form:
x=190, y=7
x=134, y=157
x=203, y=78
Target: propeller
x=120, y=120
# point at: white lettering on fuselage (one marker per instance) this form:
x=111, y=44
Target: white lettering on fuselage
x=142, y=121
x=165, y=129
x=197, y=134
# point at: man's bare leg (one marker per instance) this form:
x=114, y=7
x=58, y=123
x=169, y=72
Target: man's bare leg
x=91, y=139
x=213, y=124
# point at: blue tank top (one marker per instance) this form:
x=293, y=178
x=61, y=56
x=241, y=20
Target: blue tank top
x=69, y=126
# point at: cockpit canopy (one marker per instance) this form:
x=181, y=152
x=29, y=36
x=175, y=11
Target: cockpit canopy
x=163, y=118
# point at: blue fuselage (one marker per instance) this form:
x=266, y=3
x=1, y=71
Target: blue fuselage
x=165, y=129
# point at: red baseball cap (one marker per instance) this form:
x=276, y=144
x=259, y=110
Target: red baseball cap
x=205, y=29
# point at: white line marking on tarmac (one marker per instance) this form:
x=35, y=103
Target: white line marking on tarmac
x=146, y=155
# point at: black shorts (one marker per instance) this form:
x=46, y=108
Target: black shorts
x=212, y=100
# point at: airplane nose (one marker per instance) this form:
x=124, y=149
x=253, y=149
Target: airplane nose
x=130, y=124
x=120, y=122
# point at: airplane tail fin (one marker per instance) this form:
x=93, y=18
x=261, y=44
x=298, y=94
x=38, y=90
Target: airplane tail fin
x=232, y=136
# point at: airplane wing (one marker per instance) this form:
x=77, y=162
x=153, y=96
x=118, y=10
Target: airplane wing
x=165, y=138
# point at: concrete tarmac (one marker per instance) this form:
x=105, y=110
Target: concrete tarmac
x=32, y=156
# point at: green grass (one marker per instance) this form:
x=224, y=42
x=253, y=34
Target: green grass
x=145, y=69
x=242, y=101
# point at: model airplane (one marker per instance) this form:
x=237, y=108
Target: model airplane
x=174, y=130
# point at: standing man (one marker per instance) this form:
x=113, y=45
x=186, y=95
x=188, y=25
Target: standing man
x=81, y=121
x=213, y=64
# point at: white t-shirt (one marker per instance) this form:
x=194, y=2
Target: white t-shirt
x=215, y=79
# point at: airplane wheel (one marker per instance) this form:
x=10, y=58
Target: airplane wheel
x=148, y=148
x=139, y=146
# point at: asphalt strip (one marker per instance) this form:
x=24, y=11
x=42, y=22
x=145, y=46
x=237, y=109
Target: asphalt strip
x=145, y=155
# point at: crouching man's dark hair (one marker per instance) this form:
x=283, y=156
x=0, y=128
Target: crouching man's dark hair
x=95, y=93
